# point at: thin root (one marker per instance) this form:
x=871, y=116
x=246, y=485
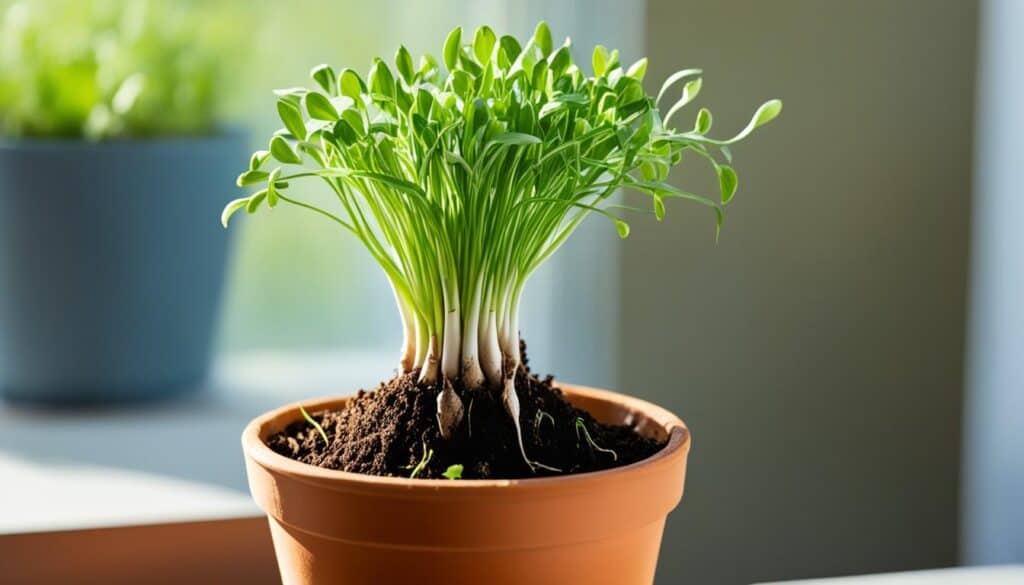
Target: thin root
x=511, y=401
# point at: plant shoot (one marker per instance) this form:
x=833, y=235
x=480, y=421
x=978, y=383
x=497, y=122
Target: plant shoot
x=461, y=177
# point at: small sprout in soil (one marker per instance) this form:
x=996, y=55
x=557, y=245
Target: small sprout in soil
x=315, y=424
x=427, y=454
x=453, y=471
x=581, y=427
x=542, y=416
x=469, y=418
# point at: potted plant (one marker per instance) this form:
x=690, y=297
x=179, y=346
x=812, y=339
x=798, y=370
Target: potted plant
x=465, y=467
x=110, y=159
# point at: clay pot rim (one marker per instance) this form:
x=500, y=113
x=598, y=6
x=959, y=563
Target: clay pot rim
x=256, y=448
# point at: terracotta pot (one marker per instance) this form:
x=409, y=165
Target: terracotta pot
x=595, y=528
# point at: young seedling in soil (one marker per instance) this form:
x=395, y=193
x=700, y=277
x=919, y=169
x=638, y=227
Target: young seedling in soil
x=581, y=429
x=461, y=177
x=427, y=454
x=315, y=424
x=541, y=417
x=453, y=471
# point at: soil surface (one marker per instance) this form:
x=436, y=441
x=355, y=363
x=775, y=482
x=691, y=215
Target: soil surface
x=392, y=429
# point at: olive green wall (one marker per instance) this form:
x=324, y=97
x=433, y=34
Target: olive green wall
x=816, y=351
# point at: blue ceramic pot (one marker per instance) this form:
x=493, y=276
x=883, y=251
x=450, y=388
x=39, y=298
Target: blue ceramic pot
x=112, y=263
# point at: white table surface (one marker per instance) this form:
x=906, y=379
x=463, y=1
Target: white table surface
x=175, y=460
x=1005, y=575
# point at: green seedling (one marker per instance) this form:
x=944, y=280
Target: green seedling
x=461, y=177
x=453, y=471
x=581, y=430
x=316, y=425
x=427, y=454
x=542, y=416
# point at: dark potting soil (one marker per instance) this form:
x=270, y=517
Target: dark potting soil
x=389, y=430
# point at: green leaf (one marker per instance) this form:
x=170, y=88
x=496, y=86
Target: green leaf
x=638, y=70
x=272, y=186
x=251, y=178
x=540, y=76
x=599, y=60
x=355, y=120
x=623, y=228
x=483, y=44
x=345, y=132
x=764, y=114
x=258, y=158
x=479, y=115
x=403, y=63
x=767, y=112
x=673, y=79
x=467, y=62
x=453, y=471
x=381, y=80
x=452, y=46
x=690, y=91
x=351, y=86
x=511, y=47
x=582, y=127
x=560, y=62
x=516, y=138
x=572, y=98
x=659, y=208
x=231, y=208
x=255, y=200
x=292, y=118
x=280, y=150
x=542, y=38
x=703, y=123
x=323, y=75
x=320, y=107
x=613, y=62
x=428, y=70
x=727, y=181
x=461, y=83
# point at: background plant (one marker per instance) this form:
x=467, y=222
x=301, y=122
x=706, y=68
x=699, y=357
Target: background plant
x=107, y=68
x=461, y=183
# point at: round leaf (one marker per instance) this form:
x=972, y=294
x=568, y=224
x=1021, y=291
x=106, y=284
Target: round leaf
x=727, y=181
x=292, y=118
x=403, y=63
x=280, y=150
x=323, y=75
x=542, y=38
x=483, y=44
x=319, y=107
x=452, y=45
x=351, y=86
